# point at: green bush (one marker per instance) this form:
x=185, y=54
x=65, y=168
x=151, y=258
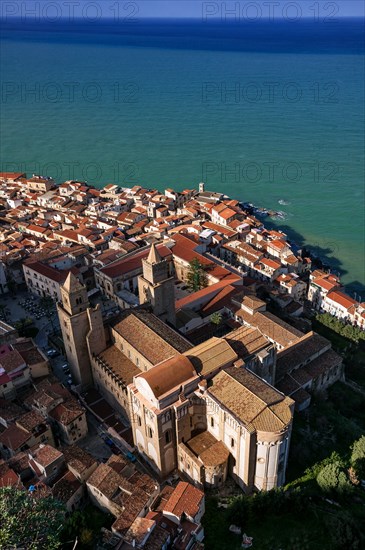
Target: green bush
x=85, y=525
x=27, y=521
x=347, y=331
x=358, y=457
x=238, y=511
x=343, y=531
x=332, y=479
x=244, y=509
x=196, y=277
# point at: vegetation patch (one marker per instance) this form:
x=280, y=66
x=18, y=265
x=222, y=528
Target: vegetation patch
x=29, y=520
x=339, y=327
x=85, y=525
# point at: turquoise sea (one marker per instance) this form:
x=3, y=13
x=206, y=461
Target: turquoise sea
x=264, y=121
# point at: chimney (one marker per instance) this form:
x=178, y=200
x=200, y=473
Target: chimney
x=239, y=363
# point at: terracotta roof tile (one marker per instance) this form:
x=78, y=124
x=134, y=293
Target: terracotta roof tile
x=78, y=459
x=210, y=451
x=341, y=298
x=169, y=374
x=66, y=487
x=46, y=454
x=67, y=412
x=246, y=341
x=131, y=263
x=251, y=400
x=8, y=478
x=299, y=352
x=185, y=499
x=14, y=437
x=119, y=363
x=211, y=355
x=159, y=341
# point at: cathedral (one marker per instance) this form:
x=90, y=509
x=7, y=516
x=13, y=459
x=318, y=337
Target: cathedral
x=198, y=409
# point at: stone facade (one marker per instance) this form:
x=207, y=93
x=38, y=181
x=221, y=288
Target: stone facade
x=156, y=287
x=82, y=329
x=236, y=424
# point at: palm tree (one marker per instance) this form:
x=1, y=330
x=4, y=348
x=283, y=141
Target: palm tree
x=216, y=318
x=12, y=286
x=23, y=325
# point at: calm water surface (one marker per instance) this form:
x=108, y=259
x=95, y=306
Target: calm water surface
x=261, y=115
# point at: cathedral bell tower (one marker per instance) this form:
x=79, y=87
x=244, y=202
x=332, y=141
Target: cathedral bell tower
x=74, y=295
x=77, y=321
x=157, y=287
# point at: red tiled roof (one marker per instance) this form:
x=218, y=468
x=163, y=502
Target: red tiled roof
x=342, y=299
x=67, y=412
x=224, y=230
x=14, y=437
x=325, y=283
x=235, y=224
x=59, y=276
x=168, y=374
x=11, y=360
x=126, y=265
x=8, y=477
x=219, y=207
x=220, y=300
x=185, y=499
x=11, y=175
x=185, y=250
x=210, y=292
x=227, y=213
x=291, y=259
x=36, y=228
x=46, y=454
x=66, y=487
x=277, y=234
x=68, y=234
x=270, y=263
x=278, y=244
